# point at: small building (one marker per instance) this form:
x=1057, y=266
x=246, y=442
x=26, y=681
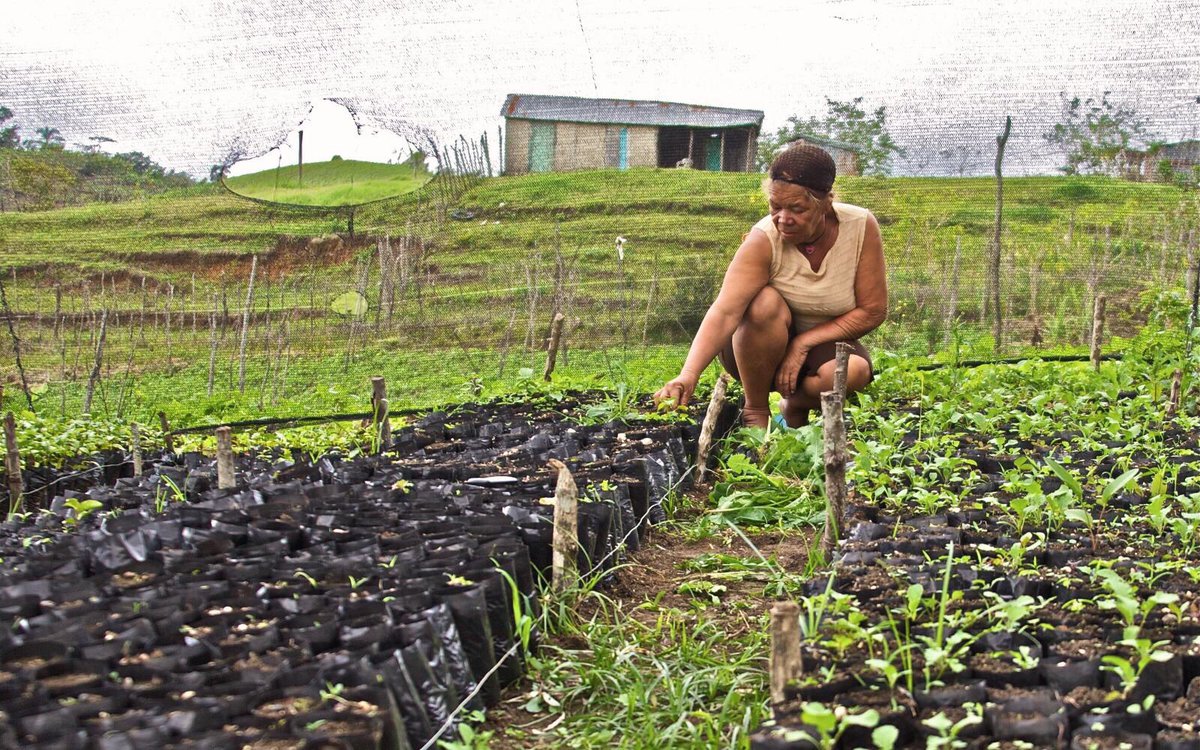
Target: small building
x=845, y=155
x=1183, y=156
x=565, y=133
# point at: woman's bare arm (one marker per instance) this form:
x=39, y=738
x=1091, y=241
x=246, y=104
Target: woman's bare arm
x=746, y=276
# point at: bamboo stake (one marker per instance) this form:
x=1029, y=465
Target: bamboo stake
x=704, y=444
x=1097, y=330
x=168, y=441
x=246, y=327
x=835, y=469
x=225, y=472
x=137, y=449
x=1176, y=393
x=95, y=376
x=555, y=336
x=843, y=366
x=785, y=664
x=564, y=569
x=12, y=464
x=379, y=407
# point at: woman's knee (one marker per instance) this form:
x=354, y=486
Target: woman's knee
x=767, y=308
x=858, y=373
x=858, y=376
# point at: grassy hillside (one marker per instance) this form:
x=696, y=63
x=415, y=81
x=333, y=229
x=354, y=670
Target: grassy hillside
x=340, y=182
x=486, y=283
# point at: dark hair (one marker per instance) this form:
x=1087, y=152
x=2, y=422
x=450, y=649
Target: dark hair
x=806, y=165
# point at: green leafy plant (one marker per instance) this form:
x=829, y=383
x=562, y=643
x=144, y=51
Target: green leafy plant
x=831, y=723
x=948, y=730
x=1144, y=653
x=81, y=509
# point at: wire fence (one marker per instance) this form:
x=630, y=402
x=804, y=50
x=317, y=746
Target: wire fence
x=210, y=295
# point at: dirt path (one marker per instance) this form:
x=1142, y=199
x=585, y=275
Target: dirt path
x=655, y=574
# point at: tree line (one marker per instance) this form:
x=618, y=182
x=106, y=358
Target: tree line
x=1094, y=135
x=42, y=172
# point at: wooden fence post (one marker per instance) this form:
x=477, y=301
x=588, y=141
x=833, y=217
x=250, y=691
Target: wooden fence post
x=379, y=411
x=246, y=326
x=842, y=358
x=12, y=463
x=94, y=377
x=565, y=569
x=225, y=471
x=137, y=449
x=166, y=428
x=704, y=444
x=1097, y=330
x=552, y=352
x=834, y=428
x=785, y=664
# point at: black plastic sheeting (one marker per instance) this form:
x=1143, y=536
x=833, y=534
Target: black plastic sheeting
x=346, y=603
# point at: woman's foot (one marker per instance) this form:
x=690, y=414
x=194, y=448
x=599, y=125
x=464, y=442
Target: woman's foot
x=756, y=416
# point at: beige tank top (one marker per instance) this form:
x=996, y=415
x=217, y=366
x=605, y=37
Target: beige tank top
x=822, y=295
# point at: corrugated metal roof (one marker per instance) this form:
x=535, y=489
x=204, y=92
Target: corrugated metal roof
x=626, y=112
x=828, y=143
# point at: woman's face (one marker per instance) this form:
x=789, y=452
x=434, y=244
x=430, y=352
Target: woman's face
x=798, y=216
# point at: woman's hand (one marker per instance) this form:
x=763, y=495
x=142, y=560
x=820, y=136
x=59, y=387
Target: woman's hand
x=788, y=375
x=676, y=393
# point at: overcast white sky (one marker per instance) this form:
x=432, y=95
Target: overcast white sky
x=185, y=82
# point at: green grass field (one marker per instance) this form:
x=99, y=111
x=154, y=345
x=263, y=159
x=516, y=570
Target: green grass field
x=331, y=183
x=485, y=285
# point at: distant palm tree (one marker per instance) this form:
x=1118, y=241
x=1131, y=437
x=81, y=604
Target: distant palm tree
x=51, y=138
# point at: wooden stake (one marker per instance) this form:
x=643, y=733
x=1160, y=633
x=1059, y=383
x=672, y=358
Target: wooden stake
x=212, y=345
x=835, y=469
x=246, y=327
x=785, y=663
x=12, y=464
x=552, y=353
x=95, y=376
x=168, y=441
x=994, y=254
x=704, y=445
x=1097, y=330
x=137, y=449
x=225, y=473
x=564, y=569
x=1176, y=393
x=843, y=367
x=379, y=407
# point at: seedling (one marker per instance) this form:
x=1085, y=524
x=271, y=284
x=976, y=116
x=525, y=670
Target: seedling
x=1145, y=653
x=948, y=730
x=81, y=509
x=301, y=574
x=831, y=723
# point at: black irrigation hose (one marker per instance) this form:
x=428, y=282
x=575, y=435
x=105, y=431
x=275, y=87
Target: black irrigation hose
x=292, y=421
x=1018, y=360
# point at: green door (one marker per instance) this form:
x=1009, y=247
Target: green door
x=712, y=153
x=541, y=147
